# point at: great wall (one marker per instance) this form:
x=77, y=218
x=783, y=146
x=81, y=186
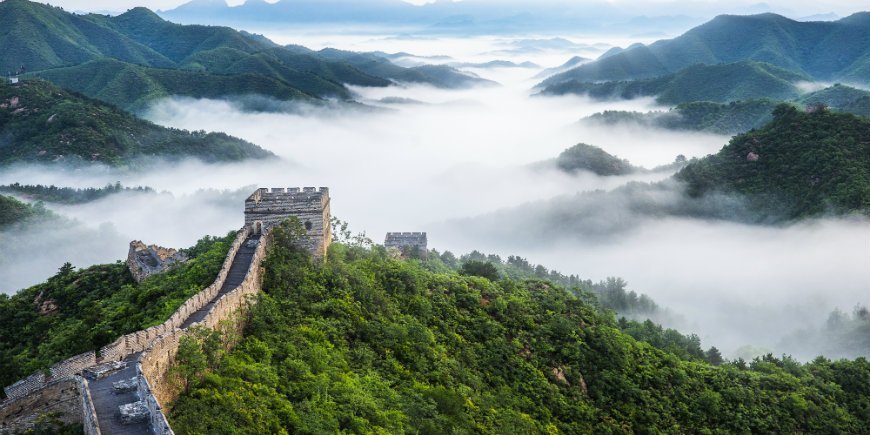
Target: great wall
x=122, y=388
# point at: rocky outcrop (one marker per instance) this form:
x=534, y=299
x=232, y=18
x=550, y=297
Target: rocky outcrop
x=144, y=261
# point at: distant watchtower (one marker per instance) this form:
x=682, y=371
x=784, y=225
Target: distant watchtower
x=404, y=241
x=266, y=208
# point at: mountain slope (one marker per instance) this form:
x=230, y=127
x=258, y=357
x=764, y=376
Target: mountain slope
x=379, y=66
x=821, y=50
x=717, y=83
x=414, y=346
x=69, y=49
x=39, y=37
x=801, y=164
x=132, y=87
x=732, y=118
x=42, y=123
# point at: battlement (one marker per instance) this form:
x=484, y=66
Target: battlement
x=266, y=208
x=406, y=240
x=287, y=194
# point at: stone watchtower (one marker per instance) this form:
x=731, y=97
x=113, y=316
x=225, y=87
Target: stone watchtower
x=266, y=208
x=403, y=241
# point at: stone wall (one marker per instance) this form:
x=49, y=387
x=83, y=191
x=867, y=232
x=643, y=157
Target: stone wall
x=89, y=414
x=266, y=208
x=159, y=423
x=130, y=343
x=402, y=241
x=65, y=393
x=62, y=397
x=155, y=362
x=140, y=340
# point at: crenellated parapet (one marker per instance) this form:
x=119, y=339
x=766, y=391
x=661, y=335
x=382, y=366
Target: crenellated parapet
x=223, y=304
x=266, y=208
x=407, y=240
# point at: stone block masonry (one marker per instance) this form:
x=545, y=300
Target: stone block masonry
x=266, y=208
x=402, y=241
x=222, y=306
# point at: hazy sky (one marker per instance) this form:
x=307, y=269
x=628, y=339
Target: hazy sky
x=795, y=8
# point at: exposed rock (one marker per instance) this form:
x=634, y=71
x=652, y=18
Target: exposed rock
x=46, y=306
x=144, y=261
x=559, y=375
x=582, y=383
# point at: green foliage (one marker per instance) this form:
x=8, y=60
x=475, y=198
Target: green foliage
x=825, y=51
x=69, y=195
x=715, y=83
x=132, y=59
x=593, y=159
x=13, y=211
x=840, y=98
x=479, y=268
x=800, y=164
x=80, y=310
x=731, y=118
x=366, y=343
x=48, y=125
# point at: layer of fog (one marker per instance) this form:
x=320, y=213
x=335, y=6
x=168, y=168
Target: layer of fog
x=734, y=284
x=461, y=154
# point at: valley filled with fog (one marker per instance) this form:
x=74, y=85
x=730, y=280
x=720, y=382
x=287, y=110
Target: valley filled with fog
x=473, y=168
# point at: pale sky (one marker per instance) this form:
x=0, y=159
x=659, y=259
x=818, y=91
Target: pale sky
x=793, y=8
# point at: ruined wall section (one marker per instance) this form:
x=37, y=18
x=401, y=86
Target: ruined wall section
x=267, y=208
x=403, y=241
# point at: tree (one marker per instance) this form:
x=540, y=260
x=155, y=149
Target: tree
x=481, y=269
x=713, y=356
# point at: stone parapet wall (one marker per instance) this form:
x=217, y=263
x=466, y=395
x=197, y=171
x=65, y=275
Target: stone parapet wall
x=62, y=397
x=140, y=340
x=159, y=423
x=25, y=386
x=90, y=423
x=155, y=362
x=130, y=343
x=73, y=365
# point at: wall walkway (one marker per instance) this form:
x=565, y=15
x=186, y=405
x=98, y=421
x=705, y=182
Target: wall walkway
x=141, y=359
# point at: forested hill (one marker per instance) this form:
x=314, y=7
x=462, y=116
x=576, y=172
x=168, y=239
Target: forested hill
x=717, y=83
x=367, y=343
x=135, y=57
x=827, y=51
x=800, y=164
x=40, y=122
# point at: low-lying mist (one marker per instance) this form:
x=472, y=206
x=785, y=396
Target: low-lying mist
x=425, y=159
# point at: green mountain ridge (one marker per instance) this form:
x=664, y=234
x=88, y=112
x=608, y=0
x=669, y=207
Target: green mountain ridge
x=69, y=49
x=40, y=122
x=736, y=117
x=413, y=346
x=732, y=118
x=799, y=165
x=721, y=83
x=827, y=51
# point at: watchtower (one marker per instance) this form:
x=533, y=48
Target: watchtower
x=266, y=208
x=404, y=241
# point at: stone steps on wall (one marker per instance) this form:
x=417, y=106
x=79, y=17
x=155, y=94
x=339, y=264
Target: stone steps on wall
x=238, y=272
